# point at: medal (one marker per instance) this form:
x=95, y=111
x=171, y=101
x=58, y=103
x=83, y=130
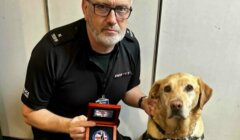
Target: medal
x=103, y=100
x=100, y=135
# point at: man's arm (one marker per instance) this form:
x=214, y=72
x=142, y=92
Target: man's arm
x=48, y=121
x=132, y=96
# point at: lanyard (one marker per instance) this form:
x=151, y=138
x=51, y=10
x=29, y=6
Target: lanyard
x=105, y=79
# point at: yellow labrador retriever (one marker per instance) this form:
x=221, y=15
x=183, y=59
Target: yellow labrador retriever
x=177, y=113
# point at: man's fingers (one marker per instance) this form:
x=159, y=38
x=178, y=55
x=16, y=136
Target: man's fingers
x=82, y=118
x=77, y=130
x=82, y=122
x=78, y=126
x=78, y=136
x=85, y=123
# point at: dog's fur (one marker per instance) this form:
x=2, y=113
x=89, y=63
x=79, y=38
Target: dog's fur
x=180, y=99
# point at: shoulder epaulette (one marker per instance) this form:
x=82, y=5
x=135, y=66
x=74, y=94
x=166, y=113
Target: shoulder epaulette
x=129, y=35
x=63, y=34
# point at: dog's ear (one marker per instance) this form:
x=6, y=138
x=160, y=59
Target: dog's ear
x=154, y=95
x=205, y=93
x=154, y=92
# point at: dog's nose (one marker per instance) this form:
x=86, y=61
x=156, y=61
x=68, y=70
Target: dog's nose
x=176, y=105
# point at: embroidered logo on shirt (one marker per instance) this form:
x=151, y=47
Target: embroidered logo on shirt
x=54, y=37
x=122, y=74
x=25, y=93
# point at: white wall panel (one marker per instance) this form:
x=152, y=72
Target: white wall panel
x=202, y=37
x=62, y=12
x=22, y=24
x=143, y=23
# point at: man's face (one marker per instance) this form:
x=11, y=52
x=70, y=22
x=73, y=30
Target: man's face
x=106, y=30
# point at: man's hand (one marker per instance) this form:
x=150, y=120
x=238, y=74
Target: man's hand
x=148, y=105
x=78, y=126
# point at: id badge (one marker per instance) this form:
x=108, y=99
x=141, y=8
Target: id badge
x=102, y=100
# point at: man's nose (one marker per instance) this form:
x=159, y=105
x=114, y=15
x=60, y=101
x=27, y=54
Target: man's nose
x=111, y=18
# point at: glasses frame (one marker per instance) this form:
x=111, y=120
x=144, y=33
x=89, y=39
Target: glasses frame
x=110, y=9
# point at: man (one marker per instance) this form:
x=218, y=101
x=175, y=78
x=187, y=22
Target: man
x=92, y=59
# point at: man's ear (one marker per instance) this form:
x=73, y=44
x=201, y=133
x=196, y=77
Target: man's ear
x=205, y=93
x=84, y=6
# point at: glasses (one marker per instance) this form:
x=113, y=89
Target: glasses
x=121, y=12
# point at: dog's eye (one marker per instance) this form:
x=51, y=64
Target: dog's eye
x=167, y=88
x=189, y=88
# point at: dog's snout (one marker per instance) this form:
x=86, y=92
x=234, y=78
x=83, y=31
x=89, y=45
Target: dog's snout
x=176, y=105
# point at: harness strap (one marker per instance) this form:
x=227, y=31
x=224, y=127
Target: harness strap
x=146, y=136
x=159, y=128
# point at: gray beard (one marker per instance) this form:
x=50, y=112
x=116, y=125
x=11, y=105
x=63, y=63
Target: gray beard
x=108, y=41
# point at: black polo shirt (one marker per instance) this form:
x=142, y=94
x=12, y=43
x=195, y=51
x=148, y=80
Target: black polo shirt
x=63, y=76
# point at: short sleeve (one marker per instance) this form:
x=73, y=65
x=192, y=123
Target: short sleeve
x=39, y=80
x=135, y=80
x=133, y=47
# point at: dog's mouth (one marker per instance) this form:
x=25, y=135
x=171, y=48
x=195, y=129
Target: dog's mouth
x=177, y=109
x=176, y=114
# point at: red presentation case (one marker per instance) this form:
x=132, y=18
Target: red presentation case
x=106, y=118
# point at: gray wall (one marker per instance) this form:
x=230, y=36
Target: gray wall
x=196, y=36
x=22, y=24
x=202, y=37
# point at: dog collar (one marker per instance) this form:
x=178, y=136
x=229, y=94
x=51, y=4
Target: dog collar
x=149, y=137
x=159, y=128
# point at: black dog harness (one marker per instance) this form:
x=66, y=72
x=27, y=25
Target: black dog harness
x=146, y=136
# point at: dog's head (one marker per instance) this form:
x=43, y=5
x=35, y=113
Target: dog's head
x=179, y=94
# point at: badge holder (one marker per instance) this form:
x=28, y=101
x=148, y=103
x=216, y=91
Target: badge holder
x=106, y=118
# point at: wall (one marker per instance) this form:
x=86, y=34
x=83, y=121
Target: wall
x=196, y=36
x=22, y=24
x=202, y=37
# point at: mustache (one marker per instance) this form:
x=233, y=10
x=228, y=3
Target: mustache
x=115, y=28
